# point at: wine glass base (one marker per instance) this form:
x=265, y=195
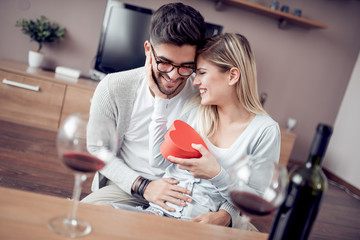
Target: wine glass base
x=69, y=228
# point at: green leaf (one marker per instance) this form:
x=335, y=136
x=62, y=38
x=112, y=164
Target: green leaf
x=41, y=30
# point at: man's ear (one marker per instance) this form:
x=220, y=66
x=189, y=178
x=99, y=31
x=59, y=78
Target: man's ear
x=147, y=47
x=234, y=76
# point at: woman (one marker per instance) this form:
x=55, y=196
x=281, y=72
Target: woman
x=230, y=119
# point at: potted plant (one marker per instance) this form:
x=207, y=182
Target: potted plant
x=42, y=31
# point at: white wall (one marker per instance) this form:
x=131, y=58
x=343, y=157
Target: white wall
x=343, y=155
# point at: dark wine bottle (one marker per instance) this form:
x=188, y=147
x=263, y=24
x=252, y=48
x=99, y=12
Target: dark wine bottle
x=307, y=184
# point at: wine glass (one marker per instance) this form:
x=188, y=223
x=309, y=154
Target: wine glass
x=83, y=150
x=257, y=187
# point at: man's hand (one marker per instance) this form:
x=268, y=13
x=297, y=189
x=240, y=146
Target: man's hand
x=205, y=167
x=149, y=77
x=221, y=218
x=165, y=190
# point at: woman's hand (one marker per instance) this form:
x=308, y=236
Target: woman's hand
x=149, y=77
x=221, y=218
x=205, y=167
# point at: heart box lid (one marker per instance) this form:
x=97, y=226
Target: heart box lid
x=178, y=140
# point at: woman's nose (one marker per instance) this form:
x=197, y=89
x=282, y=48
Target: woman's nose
x=196, y=81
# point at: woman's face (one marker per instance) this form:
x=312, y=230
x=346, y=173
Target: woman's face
x=213, y=85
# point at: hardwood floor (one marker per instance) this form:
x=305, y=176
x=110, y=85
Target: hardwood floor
x=28, y=161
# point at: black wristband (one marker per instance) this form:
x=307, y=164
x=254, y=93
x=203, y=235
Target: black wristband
x=137, y=185
x=140, y=187
x=143, y=187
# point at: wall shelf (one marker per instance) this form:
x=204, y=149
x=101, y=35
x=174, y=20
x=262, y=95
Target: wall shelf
x=282, y=17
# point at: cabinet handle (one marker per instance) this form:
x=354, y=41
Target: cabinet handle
x=21, y=85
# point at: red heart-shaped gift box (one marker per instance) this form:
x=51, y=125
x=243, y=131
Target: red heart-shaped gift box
x=178, y=140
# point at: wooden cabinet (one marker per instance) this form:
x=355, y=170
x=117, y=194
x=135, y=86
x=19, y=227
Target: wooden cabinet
x=38, y=107
x=38, y=98
x=286, y=146
x=80, y=96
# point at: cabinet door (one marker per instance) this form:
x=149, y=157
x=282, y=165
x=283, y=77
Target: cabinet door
x=76, y=100
x=30, y=101
x=287, y=144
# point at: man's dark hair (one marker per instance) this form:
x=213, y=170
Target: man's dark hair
x=177, y=24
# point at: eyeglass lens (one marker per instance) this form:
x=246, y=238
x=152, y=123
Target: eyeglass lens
x=165, y=67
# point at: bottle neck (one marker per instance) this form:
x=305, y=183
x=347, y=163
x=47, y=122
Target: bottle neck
x=319, y=145
x=314, y=160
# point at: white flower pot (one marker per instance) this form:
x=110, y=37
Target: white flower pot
x=35, y=59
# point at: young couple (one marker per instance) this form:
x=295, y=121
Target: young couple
x=144, y=102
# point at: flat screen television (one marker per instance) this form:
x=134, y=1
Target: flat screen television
x=125, y=29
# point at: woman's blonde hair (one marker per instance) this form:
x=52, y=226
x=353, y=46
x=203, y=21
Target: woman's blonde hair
x=227, y=51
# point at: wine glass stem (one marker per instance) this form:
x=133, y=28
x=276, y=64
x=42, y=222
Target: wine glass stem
x=79, y=180
x=244, y=222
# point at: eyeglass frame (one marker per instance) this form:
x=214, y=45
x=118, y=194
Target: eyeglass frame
x=158, y=61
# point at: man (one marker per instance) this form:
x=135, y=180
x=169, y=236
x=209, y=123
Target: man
x=126, y=99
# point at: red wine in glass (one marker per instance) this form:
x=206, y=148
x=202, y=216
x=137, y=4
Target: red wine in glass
x=251, y=203
x=257, y=186
x=82, y=162
x=84, y=149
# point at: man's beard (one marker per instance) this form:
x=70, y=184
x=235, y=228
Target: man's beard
x=167, y=92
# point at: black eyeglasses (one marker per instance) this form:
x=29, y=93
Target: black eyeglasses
x=166, y=67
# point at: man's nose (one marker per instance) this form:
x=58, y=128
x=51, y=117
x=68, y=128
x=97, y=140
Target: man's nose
x=173, y=75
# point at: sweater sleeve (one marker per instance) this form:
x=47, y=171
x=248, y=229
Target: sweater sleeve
x=220, y=182
x=157, y=131
x=266, y=152
x=232, y=210
x=268, y=144
x=104, y=108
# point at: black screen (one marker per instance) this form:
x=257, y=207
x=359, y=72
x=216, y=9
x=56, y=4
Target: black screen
x=124, y=32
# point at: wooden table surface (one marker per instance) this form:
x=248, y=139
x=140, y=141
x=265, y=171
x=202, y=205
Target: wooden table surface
x=24, y=215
